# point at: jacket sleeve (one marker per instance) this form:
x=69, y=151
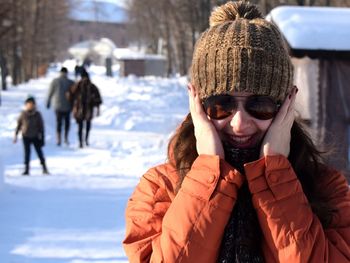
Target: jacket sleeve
x=188, y=228
x=97, y=99
x=19, y=124
x=69, y=92
x=292, y=231
x=50, y=94
x=72, y=92
x=41, y=127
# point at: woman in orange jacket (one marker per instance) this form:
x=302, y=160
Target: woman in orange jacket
x=244, y=182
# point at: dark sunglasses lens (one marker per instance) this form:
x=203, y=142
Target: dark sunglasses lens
x=219, y=107
x=261, y=107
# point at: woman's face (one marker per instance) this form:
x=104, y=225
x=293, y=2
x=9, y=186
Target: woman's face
x=240, y=129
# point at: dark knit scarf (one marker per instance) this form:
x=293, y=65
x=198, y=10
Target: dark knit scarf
x=241, y=241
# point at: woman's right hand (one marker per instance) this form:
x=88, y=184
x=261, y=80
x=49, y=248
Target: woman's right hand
x=207, y=139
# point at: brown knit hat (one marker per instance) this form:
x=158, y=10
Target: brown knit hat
x=241, y=52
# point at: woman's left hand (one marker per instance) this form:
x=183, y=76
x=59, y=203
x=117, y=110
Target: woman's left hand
x=278, y=136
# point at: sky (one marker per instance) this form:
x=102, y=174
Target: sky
x=76, y=214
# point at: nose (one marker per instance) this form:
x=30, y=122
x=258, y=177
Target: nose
x=241, y=120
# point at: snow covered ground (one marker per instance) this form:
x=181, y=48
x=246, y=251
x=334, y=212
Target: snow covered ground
x=76, y=214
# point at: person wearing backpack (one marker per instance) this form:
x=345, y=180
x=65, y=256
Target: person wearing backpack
x=85, y=97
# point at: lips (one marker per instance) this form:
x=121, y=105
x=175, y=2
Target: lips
x=246, y=141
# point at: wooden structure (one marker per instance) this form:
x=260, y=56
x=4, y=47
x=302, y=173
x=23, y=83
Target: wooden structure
x=146, y=66
x=319, y=43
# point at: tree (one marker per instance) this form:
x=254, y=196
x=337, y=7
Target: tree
x=178, y=23
x=30, y=34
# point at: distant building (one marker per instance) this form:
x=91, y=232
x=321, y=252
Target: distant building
x=146, y=66
x=97, y=19
x=97, y=51
x=83, y=31
x=130, y=62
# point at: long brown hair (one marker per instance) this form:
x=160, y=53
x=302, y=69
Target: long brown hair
x=304, y=157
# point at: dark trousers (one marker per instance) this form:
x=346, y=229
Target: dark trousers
x=80, y=130
x=37, y=146
x=60, y=117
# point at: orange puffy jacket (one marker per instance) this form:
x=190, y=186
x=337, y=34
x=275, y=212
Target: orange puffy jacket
x=162, y=226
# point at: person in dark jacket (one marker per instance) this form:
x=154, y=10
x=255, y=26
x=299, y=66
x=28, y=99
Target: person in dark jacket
x=58, y=96
x=31, y=124
x=78, y=70
x=84, y=97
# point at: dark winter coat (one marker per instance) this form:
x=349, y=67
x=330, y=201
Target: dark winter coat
x=59, y=89
x=31, y=124
x=84, y=96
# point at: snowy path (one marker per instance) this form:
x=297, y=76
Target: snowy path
x=76, y=214
x=62, y=225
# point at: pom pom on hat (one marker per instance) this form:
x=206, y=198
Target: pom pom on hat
x=232, y=11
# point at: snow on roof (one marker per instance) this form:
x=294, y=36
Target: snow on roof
x=103, y=47
x=315, y=28
x=129, y=54
x=81, y=49
x=100, y=11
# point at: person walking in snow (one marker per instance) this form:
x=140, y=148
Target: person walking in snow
x=58, y=91
x=78, y=70
x=243, y=182
x=85, y=97
x=31, y=124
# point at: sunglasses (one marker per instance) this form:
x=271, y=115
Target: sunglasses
x=221, y=106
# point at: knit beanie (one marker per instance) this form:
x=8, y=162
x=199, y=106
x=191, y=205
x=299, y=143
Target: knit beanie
x=241, y=52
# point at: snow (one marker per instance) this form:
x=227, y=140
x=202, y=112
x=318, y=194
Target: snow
x=76, y=214
x=315, y=28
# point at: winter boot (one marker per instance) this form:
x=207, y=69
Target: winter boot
x=26, y=170
x=58, y=138
x=45, y=171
